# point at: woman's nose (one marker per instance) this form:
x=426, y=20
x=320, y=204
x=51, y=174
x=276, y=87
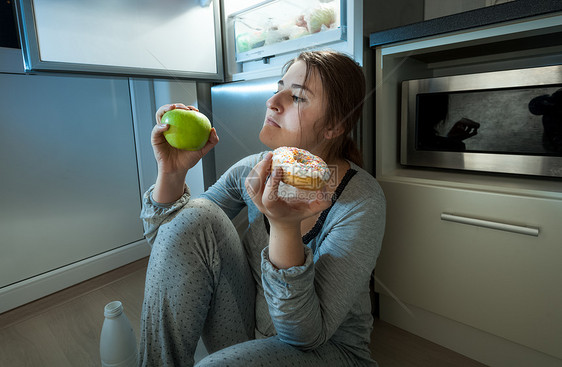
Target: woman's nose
x=274, y=103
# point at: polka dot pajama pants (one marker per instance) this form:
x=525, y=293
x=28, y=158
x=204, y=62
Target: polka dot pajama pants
x=199, y=283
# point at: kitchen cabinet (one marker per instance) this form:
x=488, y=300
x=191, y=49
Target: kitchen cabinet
x=504, y=283
x=459, y=284
x=70, y=184
x=70, y=180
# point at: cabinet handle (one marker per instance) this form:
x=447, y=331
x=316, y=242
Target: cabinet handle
x=530, y=231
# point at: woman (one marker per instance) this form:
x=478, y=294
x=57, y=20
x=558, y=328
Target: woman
x=295, y=290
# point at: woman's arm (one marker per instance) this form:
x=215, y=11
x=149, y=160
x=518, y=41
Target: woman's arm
x=308, y=303
x=228, y=192
x=169, y=193
x=310, y=298
x=168, y=187
x=154, y=214
x=285, y=245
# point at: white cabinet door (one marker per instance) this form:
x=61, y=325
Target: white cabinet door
x=69, y=186
x=505, y=283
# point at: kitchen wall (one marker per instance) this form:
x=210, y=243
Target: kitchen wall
x=379, y=15
x=440, y=8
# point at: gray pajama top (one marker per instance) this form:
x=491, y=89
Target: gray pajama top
x=327, y=297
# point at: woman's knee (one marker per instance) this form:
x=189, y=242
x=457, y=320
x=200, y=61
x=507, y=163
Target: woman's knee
x=199, y=220
x=196, y=238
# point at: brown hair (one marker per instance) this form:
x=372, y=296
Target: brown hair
x=344, y=91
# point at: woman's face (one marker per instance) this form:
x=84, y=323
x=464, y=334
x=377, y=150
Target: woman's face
x=294, y=110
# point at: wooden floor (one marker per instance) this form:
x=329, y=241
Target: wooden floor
x=63, y=329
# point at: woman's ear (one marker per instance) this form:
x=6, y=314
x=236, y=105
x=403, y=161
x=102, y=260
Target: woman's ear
x=333, y=133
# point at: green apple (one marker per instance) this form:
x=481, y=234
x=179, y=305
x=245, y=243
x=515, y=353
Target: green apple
x=189, y=130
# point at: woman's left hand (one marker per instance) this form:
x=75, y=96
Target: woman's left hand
x=285, y=212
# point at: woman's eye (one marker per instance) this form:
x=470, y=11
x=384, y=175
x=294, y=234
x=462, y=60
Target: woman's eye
x=298, y=99
x=295, y=98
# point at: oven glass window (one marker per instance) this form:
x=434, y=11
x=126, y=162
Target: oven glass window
x=503, y=121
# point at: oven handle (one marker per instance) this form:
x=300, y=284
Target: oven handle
x=530, y=231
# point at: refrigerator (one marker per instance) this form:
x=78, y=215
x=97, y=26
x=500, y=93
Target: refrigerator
x=238, y=111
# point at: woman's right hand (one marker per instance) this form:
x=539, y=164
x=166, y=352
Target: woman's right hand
x=173, y=161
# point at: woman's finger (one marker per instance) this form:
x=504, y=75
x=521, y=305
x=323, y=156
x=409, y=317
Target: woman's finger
x=162, y=110
x=211, y=142
x=168, y=107
x=271, y=190
x=157, y=135
x=310, y=202
x=255, y=182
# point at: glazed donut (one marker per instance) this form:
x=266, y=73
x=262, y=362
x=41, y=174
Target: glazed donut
x=301, y=168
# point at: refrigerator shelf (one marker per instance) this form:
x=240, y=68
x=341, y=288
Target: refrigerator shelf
x=274, y=27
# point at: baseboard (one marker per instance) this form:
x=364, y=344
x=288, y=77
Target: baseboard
x=476, y=344
x=42, y=285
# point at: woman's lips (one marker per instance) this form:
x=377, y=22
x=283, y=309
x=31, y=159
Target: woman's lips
x=271, y=122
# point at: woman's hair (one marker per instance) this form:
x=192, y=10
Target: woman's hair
x=343, y=83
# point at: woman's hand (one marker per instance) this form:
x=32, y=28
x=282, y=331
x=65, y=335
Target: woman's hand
x=171, y=160
x=174, y=163
x=285, y=211
x=285, y=215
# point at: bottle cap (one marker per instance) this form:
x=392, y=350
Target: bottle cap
x=113, y=309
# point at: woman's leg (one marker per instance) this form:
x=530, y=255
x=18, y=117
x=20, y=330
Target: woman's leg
x=274, y=352
x=198, y=282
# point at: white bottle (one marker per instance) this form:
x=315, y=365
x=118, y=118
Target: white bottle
x=118, y=344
